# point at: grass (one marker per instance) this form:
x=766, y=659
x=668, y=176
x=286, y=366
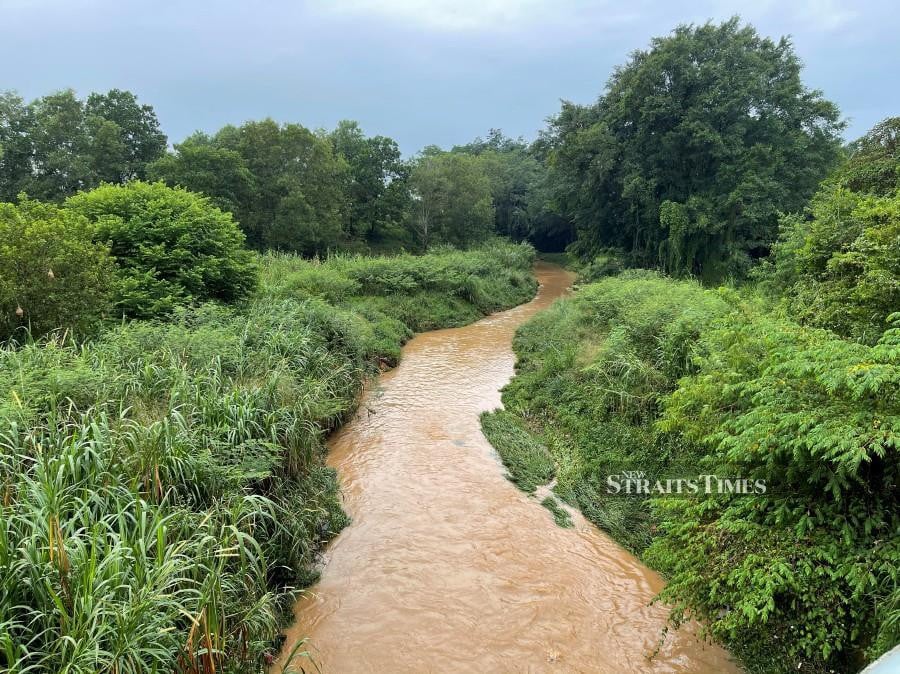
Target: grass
x=527, y=460
x=560, y=515
x=163, y=491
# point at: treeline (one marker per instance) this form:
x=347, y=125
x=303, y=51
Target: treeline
x=707, y=158
x=289, y=188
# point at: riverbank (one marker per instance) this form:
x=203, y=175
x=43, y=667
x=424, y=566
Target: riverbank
x=640, y=372
x=164, y=485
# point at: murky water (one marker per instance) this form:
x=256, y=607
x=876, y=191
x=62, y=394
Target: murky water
x=447, y=567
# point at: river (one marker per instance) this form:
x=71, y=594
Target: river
x=446, y=566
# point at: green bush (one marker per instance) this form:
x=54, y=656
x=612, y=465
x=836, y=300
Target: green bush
x=800, y=575
x=52, y=274
x=172, y=247
x=841, y=266
x=640, y=372
x=591, y=371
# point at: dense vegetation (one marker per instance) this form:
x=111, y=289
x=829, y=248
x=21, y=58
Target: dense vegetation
x=640, y=372
x=693, y=150
x=163, y=485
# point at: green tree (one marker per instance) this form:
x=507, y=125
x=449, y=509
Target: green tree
x=514, y=174
x=693, y=150
x=452, y=198
x=283, y=182
x=838, y=264
x=200, y=166
x=874, y=163
x=132, y=140
x=841, y=265
x=172, y=247
x=52, y=273
x=58, y=144
x=377, y=186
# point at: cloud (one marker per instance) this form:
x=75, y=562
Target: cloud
x=480, y=16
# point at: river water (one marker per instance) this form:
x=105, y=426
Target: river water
x=446, y=566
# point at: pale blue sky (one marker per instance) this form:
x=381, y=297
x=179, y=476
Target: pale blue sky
x=421, y=71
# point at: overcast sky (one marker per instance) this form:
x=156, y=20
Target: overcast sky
x=421, y=71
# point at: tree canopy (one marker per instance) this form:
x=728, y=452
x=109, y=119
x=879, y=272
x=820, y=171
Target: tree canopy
x=58, y=144
x=693, y=150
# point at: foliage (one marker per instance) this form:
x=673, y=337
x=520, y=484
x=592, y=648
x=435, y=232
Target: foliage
x=163, y=489
x=874, y=163
x=841, y=265
x=520, y=190
x=200, y=166
x=58, y=144
x=590, y=373
x=282, y=182
x=377, y=183
x=171, y=247
x=640, y=372
x=452, y=198
x=838, y=266
x=812, y=559
x=692, y=151
x=52, y=273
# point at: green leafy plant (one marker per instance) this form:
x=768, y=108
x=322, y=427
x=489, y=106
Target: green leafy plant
x=172, y=247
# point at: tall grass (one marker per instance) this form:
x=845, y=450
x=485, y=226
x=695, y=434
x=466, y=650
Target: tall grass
x=162, y=488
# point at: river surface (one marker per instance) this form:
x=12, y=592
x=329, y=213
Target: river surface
x=446, y=566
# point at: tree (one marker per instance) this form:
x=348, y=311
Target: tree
x=693, y=150
x=874, y=163
x=377, y=182
x=283, y=182
x=452, y=198
x=136, y=130
x=171, y=246
x=57, y=145
x=200, y=166
x=52, y=273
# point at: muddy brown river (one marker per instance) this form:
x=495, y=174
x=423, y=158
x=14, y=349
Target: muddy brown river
x=446, y=566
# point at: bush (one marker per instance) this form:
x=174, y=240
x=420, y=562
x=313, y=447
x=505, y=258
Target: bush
x=800, y=575
x=843, y=263
x=639, y=372
x=172, y=247
x=52, y=275
x=163, y=487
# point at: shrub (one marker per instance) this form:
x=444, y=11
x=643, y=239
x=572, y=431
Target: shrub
x=843, y=263
x=800, y=575
x=172, y=247
x=52, y=275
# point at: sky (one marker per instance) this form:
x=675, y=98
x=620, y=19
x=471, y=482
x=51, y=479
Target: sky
x=421, y=71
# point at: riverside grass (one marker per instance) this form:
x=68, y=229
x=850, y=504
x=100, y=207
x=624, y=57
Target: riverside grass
x=162, y=487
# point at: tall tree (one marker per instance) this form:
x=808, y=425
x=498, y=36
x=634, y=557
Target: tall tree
x=58, y=144
x=377, y=181
x=132, y=128
x=695, y=147
x=201, y=166
x=452, y=198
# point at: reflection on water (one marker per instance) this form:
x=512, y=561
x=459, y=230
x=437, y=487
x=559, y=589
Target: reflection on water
x=447, y=567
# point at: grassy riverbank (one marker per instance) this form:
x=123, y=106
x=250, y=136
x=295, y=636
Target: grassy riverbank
x=163, y=486
x=642, y=372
